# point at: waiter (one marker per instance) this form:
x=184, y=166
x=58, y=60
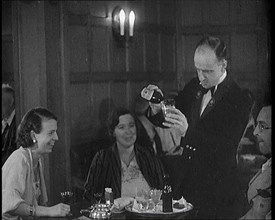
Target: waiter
x=212, y=112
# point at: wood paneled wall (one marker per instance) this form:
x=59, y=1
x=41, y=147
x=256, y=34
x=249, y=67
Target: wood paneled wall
x=76, y=68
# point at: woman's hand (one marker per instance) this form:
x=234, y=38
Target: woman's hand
x=176, y=119
x=60, y=209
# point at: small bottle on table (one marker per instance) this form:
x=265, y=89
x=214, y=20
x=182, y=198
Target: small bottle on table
x=109, y=198
x=167, y=195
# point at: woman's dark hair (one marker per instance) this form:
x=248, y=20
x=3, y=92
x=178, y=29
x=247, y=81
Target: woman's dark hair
x=214, y=43
x=32, y=121
x=113, y=119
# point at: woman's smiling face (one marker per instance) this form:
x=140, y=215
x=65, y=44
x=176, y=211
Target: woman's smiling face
x=125, y=131
x=47, y=137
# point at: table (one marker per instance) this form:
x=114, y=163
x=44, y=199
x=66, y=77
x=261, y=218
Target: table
x=83, y=204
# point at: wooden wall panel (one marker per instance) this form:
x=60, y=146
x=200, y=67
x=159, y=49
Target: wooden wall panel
x=7, y=65
x=101, y=104
x=78, y=48
x=78, y=7
x=81, y=116
x=120, y=94
x=191, y=12
x=118, y=56
x=219, y=12
x=151, y=11
x=152, y=54
x=6, y=18
x=136, y=53
x=33, y=58
x=243, y=12
x=169, y=87
x=100, y=50
x=167, y=13
x=168, y=53
x=98, y=9
x=138, y=7
x=7, y=44
x=244, y=52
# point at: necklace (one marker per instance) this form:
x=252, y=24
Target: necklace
x=127, y=160
x=35, y=177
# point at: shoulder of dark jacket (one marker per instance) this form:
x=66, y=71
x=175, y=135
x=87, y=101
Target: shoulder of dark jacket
x=106, y=152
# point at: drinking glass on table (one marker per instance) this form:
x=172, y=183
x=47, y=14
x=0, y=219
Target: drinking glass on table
x=67, y=198
x=143, y=197
x=155, y=196
x=166, y=105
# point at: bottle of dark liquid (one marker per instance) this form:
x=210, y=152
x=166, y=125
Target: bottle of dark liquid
x=167, y=195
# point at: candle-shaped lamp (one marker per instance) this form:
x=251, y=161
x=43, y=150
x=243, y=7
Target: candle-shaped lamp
x=121, y=21
x=131, y=23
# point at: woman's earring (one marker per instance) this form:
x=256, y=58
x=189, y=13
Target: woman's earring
x=34, y=141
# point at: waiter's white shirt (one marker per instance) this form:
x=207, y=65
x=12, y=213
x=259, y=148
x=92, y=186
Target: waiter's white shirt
x=207, y=96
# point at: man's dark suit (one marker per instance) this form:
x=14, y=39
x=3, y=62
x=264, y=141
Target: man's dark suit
x=209, y=173
x=8, y=140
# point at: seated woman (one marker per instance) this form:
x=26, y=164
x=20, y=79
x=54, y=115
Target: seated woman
x=23, y=184
x=125, y=167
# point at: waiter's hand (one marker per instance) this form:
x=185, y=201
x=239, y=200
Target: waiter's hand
x=155, y=108
x=176, y=119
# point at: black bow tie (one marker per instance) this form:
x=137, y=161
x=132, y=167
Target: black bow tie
x=204, y=90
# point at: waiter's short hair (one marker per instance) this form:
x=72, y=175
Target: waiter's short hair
x=214, y=43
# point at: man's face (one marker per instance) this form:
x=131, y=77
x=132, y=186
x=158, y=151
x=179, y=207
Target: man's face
x=263, y=130
x=7, y=105
x=208, y=67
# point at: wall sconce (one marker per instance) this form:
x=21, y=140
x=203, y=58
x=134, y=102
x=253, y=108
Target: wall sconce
x=123, y=26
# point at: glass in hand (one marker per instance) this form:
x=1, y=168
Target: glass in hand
x=155, y=196
x=166, y=105
x=67, y=198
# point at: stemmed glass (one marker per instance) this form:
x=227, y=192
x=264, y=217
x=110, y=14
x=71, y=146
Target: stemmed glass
x=67, y=198
x=155, y=196
x=145, y=197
